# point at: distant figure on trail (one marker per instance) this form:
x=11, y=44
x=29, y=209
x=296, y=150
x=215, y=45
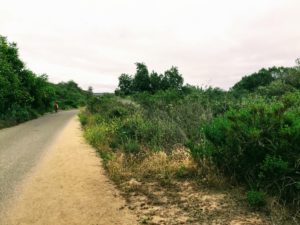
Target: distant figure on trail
x=56, y=106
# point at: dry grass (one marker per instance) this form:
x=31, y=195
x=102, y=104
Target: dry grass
x=279, y=214
x=116, y=168
x=158, y=165
x=171, y=189
x=163, y=167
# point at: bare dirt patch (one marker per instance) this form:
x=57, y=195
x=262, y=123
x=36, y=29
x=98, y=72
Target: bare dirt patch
x=169, y=189
x=185, y=202
x=69, y=187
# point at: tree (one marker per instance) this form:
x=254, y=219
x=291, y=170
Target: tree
x=172, y=79
x=155, y=82
x=298, y=63
x=125, y=84
x=141, y=81
x=90, y=89
x=293, y=77
x=11, y=91
x=89, y=94
x=262, y=78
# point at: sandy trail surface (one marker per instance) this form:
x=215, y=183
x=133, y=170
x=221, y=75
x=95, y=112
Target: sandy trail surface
x=68, y=186
x=22, y=147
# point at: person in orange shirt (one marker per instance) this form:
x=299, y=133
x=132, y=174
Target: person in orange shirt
x=56, y=106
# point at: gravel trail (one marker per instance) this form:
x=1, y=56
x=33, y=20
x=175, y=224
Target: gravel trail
x=67, y=185
x=22, y=146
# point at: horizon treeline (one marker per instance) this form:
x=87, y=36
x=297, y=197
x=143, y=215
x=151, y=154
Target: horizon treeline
x=25, y=95
x=150, y=82
x=284, y=78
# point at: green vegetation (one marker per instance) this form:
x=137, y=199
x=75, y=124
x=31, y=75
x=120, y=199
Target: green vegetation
x=249, y=135
x=25, y=95
x=258, y=144
x=154, y=127
x=256, y=199
x=143, y=81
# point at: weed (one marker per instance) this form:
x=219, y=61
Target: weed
x=132, y=147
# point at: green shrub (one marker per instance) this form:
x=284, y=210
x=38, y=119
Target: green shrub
x=132, y=147
x=96, y=135
x=118, y=112
x=20, y=114
x=159, y=132
x=274, y=166
x=106, y=156
x=182, y=172
x=114, y=143
x=199, y=151
x=83, y=118
x=258, y=143
x=256, y=198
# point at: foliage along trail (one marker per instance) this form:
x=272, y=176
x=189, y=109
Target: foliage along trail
x=25, y=95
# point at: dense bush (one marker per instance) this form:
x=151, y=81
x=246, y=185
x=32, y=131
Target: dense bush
x=256, y=198
x=158, y=120
x=128, y=124
x=274, y=81
x=70, y=95
x=262, y=78
x=258, y=143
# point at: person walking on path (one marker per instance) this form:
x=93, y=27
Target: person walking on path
x=56, y=106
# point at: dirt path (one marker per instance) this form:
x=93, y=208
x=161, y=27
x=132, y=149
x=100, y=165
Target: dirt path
x=23, y=146
x=68, y=187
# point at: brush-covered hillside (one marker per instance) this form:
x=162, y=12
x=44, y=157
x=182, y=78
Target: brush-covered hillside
x=156, y=129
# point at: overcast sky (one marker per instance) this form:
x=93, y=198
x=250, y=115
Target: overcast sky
x=212, y=42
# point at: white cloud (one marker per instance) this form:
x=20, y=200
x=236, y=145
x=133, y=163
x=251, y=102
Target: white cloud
x=212, y=42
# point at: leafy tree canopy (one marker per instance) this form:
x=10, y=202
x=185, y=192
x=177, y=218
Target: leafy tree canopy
x=143, y=81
